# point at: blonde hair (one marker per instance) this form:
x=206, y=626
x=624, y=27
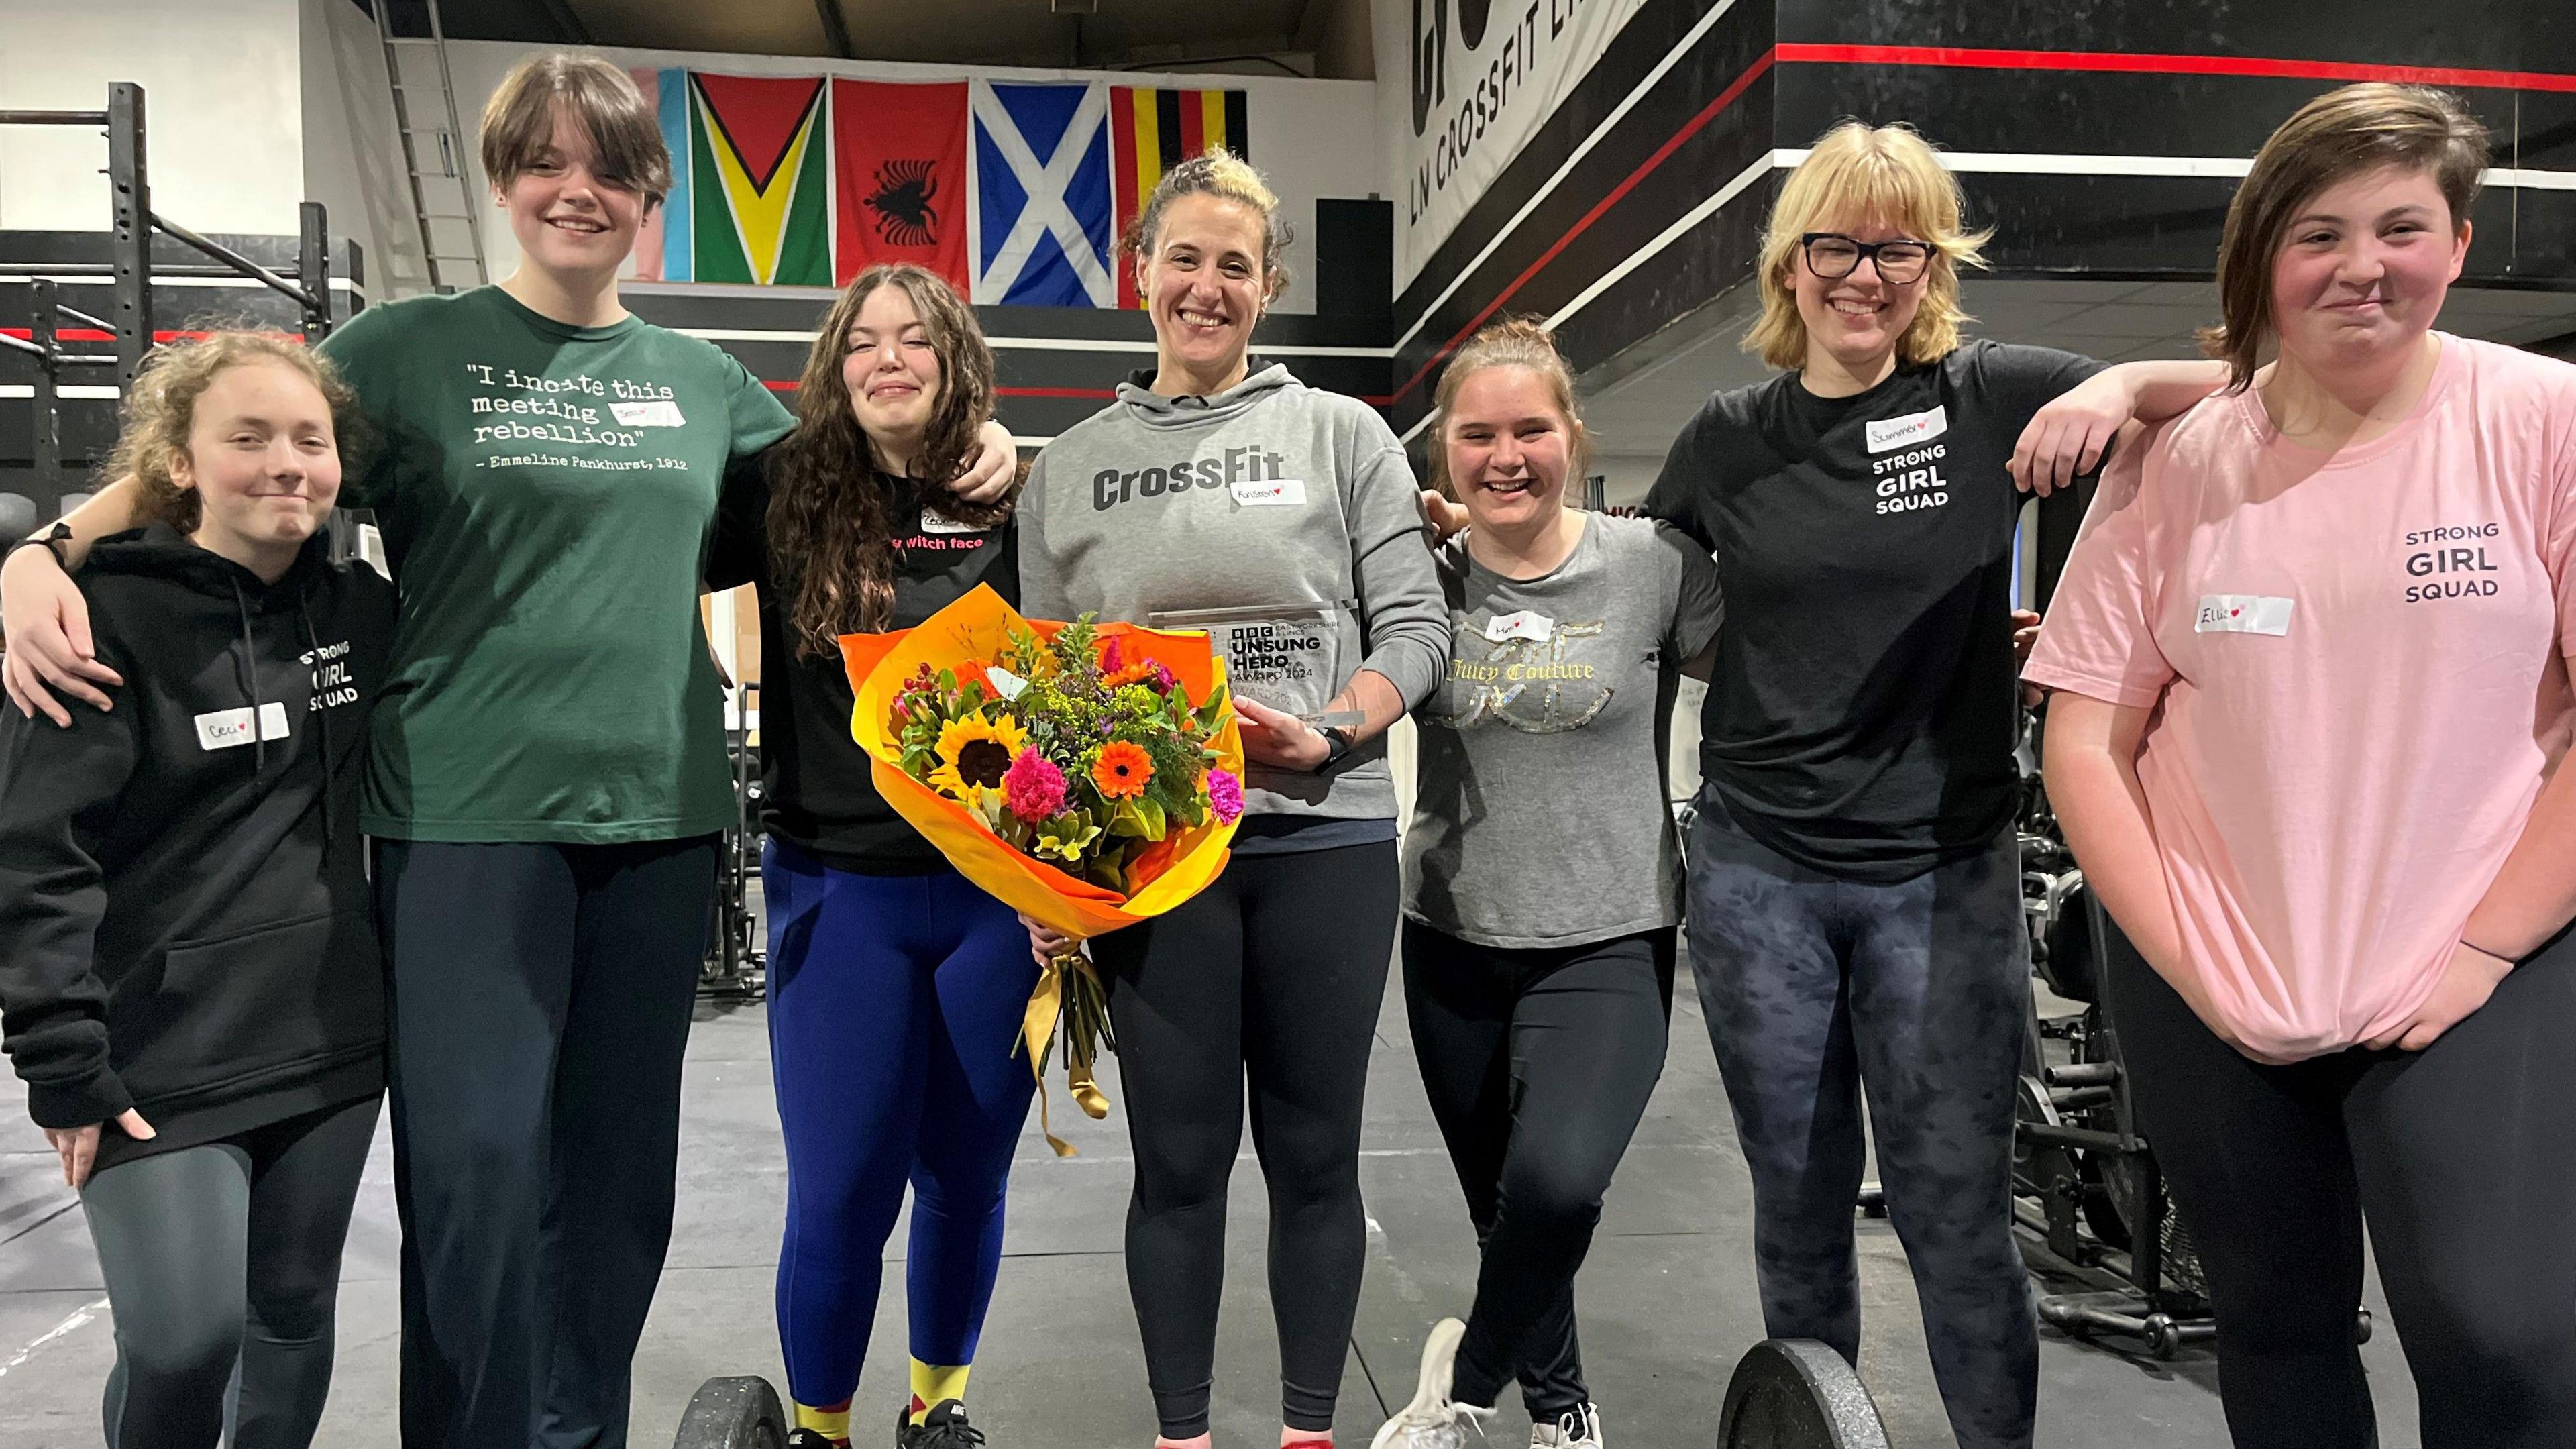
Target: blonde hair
x=1511, y=342
x=1885, y=174
x=2340, y=134
x=519, y=122
x=161, y=410
x=1222, y=174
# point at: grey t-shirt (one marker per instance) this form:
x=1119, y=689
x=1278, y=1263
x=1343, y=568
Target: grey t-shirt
x=1540, y=817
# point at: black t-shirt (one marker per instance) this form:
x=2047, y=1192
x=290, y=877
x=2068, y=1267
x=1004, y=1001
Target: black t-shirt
x=1862, y=714
x=818, y=793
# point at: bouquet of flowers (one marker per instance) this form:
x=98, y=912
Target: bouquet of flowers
x=1088, y=775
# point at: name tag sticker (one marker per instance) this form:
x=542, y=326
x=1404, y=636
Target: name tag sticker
x=2242, y=614
x=224, y=728
x=1886, y=435
x=1527, y=624
x=659, y=413
x=933, y=521
x=1270, y=492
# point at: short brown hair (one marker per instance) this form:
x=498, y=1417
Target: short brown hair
x=161, y=409
x=1219, y=173
x=2340, y=134
x=1512, y=342
x=519, y=122
x=1887, y=174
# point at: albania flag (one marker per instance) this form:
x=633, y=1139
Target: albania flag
x=899, y=159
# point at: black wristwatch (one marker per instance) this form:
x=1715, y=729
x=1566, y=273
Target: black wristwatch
x=1337, y=743
x=51, y=540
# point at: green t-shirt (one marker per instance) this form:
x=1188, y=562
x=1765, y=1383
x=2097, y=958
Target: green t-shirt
x=546, y=495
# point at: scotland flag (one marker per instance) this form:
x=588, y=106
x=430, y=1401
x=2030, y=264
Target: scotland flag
x=1043, y=228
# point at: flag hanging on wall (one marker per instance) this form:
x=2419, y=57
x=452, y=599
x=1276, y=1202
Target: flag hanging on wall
x=1043, y=214
x=899, y=170
x=1156, y=130
x=759, y=158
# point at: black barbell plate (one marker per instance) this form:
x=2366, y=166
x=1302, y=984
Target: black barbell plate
x=733, y=1413
x=1796, y=1393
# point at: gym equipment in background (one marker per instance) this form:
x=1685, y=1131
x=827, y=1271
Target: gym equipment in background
x=1796, y=1393
x=733, y=1413
x=737, y=964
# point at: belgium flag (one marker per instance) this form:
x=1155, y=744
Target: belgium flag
x=1157, y=129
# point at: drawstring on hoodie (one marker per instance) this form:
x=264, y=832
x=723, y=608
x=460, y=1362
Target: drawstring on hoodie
x=313, y=651
x=250, y=654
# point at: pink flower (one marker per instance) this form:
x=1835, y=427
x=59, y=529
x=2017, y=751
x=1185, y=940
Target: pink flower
x=1111, y=658
x=1033, y=788
x=1225, y=795
x=1161, y=679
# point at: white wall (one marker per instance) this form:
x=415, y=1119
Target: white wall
x=223, y=110
x=1311, y=138
x=352, y=158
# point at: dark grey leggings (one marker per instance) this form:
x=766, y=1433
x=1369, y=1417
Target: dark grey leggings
x=1819, y=991
x=1538, y=1064
x=221, y=1255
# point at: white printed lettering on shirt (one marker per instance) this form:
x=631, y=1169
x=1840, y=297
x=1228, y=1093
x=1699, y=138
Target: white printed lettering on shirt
x=1888, y=434
x=1270, y=492
x=224, y=728
x=2242, y=614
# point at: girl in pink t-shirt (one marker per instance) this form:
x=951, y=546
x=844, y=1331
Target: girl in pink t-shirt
x=2310, y=658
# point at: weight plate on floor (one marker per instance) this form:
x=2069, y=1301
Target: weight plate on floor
x=733, y=1413
x=1795, y=1393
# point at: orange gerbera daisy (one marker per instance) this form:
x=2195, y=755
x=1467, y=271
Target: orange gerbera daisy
x=1122, y=770
x=1140, y=672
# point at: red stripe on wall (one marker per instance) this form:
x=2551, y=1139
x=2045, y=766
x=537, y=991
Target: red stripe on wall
x=1101, y=394
x=1645, y=168
x=92, y=334
x=1123, y=176
x=2266, y=67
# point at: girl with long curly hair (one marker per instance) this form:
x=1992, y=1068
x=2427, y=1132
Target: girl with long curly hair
x=896, y=987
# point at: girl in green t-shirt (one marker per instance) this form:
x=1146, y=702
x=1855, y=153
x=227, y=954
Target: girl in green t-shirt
x=546, y=776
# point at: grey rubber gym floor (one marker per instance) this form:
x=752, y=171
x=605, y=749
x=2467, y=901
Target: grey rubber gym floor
x=1666, y=1299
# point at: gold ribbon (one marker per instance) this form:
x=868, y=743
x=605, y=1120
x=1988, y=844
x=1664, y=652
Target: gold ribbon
x=1037, y=1028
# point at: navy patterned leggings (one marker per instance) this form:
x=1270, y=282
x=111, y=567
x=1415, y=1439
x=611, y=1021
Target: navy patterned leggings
x=1819, y=991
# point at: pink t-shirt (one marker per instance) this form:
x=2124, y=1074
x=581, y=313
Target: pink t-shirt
x=2362, y=662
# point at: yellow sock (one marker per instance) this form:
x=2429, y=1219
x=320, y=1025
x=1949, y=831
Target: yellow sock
x=936, y=1384
x=832, y=1423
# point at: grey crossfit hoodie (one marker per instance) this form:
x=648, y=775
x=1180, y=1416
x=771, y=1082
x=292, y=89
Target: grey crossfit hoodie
x=1282, y=520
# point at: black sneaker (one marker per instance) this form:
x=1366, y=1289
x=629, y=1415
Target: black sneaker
x=944, y=1428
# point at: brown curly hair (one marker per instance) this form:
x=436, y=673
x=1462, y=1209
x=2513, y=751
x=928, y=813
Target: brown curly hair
x=161, y=408
x=832, y=505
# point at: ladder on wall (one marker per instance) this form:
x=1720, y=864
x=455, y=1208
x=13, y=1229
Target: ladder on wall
x=449, y=269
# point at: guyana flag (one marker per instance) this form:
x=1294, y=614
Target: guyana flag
x=1154, y=130
x=752, y=198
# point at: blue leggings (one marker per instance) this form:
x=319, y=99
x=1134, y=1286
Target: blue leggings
x=894, y=1003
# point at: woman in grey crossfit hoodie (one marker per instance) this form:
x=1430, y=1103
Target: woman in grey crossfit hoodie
x=1283, y=521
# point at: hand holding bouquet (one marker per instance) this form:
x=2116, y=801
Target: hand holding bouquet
x=1087, y=775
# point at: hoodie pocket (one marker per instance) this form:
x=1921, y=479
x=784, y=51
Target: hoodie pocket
x=243, y=1006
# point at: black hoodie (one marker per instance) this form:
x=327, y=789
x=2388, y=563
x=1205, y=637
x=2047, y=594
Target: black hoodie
x=184, y=918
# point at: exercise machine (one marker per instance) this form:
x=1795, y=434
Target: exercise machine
x=737, y=965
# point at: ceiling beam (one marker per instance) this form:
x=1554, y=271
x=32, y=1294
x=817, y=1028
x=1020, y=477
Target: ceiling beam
x=566, y=23
x=836, y=28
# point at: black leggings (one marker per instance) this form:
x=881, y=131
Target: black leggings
x=1273, y=973
x=222, y=1258
x=2458, y=1158
x=1538, y=1064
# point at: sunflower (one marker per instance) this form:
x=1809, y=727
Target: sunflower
x=1122, y=770
x=974, y=754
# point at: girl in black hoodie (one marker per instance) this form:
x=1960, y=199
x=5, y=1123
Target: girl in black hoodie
x=189, y=980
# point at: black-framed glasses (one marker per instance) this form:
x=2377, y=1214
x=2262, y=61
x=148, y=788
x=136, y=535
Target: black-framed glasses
x=1833, y=256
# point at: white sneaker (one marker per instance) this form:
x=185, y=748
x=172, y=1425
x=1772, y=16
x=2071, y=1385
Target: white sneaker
x=1432, y=1421
x=1578, y=1428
